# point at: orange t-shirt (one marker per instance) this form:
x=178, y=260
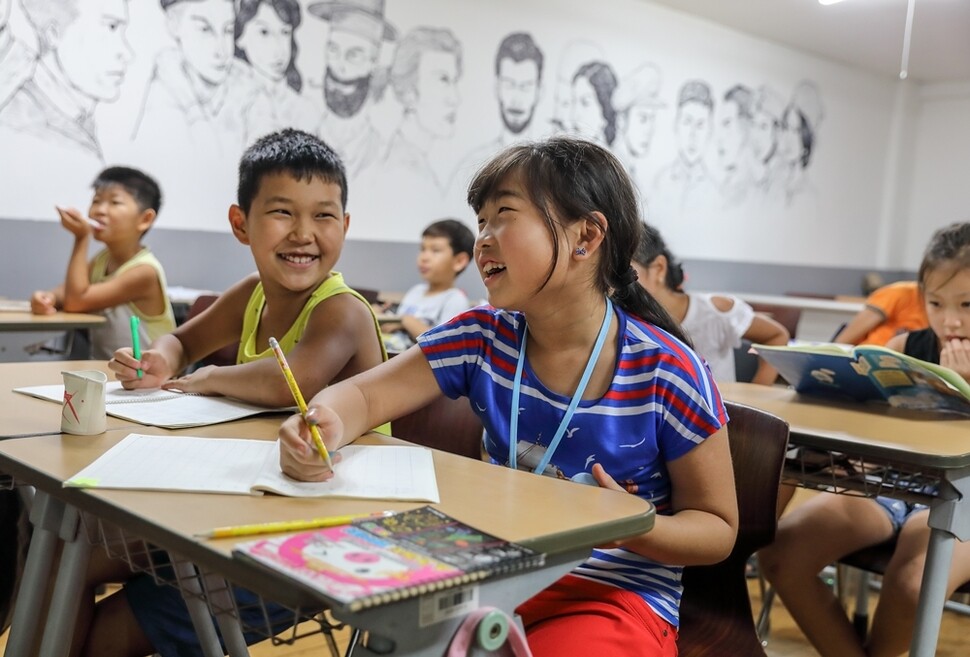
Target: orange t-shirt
x=902, y=306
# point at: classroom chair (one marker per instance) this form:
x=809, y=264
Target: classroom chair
x=224, y=356
x=446, y=424
x=784, y=315
x=715, y=610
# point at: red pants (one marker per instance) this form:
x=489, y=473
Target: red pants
x=577, y=617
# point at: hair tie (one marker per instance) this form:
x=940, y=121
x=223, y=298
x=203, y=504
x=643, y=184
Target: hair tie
x=628, y=278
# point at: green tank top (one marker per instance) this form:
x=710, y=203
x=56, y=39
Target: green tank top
x=332, y=286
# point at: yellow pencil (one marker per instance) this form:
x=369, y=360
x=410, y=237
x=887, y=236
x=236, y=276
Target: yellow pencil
x=300, y=402
x=287, y=526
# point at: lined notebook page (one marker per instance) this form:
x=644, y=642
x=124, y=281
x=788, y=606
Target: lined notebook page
x=248, y=467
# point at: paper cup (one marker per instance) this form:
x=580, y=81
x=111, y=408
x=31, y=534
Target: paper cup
x=83, y=412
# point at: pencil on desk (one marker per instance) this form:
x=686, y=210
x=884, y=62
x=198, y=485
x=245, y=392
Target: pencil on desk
x=287, y=525
x=300, y=402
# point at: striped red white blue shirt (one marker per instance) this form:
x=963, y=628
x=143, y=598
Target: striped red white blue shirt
x=661, y=403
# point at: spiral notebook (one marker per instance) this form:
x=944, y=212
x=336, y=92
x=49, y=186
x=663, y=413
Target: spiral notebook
x=375, y=561
x=168, y=409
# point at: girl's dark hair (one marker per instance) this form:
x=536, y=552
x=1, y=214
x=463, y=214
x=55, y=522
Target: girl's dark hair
x=948, y=248
x=653, y=245
x=569, y=179
x=289, y=13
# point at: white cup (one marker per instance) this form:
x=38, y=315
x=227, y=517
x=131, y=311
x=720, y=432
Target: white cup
x=83, y=412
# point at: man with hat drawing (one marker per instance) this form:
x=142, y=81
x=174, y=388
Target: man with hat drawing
x=357, y=31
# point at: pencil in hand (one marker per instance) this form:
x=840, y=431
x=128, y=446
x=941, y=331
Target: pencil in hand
x=300, y=402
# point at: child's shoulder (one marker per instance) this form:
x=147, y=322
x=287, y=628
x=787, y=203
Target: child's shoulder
x=644, y=340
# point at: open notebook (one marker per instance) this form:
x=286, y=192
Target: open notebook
x=251, y=467
x=161, y=408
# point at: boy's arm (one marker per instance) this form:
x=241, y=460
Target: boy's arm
x=859, y=326
x=138, y=285
x=339, y=341
x=347, y=409
x=217, y=326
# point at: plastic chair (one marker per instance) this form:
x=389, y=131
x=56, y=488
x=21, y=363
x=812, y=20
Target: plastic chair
x=224, y=356
x=784, y=315
x=715, y=610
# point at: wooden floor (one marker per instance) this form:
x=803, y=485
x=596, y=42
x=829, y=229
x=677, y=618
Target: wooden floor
x=784, y=640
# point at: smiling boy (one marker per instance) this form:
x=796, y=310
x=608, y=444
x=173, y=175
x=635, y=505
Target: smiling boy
x=292, y=197
x=124, y=279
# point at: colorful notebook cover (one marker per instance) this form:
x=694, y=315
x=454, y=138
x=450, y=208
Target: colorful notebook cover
x=380, y=560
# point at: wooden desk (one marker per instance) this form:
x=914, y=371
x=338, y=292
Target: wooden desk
x=876, y=450
x=561, y=519
x=820, y=318
x=59, y=321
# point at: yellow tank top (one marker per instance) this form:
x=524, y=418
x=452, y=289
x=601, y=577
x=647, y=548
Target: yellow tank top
x=332, y=286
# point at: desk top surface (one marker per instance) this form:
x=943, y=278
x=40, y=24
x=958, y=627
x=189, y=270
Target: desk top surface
x=940, y=440
x=803, y=303
x=549, y=515
x=59, y=321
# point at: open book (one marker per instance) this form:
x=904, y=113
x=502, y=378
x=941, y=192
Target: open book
x=379, y=560
x=161, y=408
x=867, y=373
x=251, y=467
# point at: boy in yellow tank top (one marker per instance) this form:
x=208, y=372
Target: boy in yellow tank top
x=124, y=279
x=291, y=213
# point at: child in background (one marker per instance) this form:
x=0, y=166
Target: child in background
x=446, y=249
x=716, y=324
x=892, y=309
x=557, y=230
x=291, y=214
x=122, y=280
x=828, y=527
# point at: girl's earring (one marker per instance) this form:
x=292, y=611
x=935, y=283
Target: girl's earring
x=580, y=251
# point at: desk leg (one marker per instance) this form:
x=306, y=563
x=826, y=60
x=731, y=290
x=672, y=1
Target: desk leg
x=59, y=629
x=46, y=515
x=220, y=595
x=191, y=589
x=398, y=626
x=949, y=519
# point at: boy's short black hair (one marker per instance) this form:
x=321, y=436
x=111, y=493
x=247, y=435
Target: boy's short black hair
x=291, y=151
x=460, y=237
x=141, y=186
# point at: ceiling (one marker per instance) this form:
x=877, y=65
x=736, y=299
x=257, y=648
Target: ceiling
x=867, y=34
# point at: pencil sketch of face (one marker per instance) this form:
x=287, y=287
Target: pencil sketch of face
x=4, y=12
x=762, y=138
x=733, y=126
x=693, y=130
x=267, y=42
x=518, y=93
x=351, y=59
x=92, y=49
x=586, y=116
x=437, y=93
x=791, y=146
x=640, y=123
x=204, y=31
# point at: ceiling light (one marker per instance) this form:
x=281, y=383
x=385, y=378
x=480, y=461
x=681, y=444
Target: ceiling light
x=828, y=2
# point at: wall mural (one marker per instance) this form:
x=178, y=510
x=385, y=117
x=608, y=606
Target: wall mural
x=388, y=92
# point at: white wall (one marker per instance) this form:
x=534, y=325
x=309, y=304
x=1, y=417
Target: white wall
x=855, y=210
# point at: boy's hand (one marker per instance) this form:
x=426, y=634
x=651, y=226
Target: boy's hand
x=298, y=455
x=955, y=354
x=154, y=368
x=43, y=302
x=74, y=221
x=197, y=382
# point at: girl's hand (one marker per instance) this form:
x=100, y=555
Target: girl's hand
x=155, y=370
x=604, y=479
x=955, y=354
x=74, y=221
x=198, y=381
x=43, y=302
x=298, y=455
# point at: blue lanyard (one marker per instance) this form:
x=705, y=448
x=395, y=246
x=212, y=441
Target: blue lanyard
x=574, y=402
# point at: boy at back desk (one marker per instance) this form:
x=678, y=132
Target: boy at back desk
x=446, y=250
x=291, y=213
x=124, y=279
